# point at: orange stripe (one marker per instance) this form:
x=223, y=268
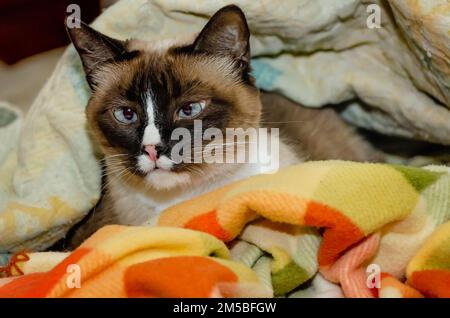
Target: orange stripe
x=340, y=232
x=184, y=276
x=39, y=285
x=405, y=290
x=432, y=283
x=208, y=223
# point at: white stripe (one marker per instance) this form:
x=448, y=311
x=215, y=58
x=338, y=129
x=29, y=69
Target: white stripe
x=151, y=133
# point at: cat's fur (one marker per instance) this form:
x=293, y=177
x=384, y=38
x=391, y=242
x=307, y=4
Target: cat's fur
x=154, y=79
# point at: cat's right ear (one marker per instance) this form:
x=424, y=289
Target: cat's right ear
x=226, y=34
x=94, y=49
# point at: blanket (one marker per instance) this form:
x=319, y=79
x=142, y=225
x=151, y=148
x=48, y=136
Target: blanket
x=162, y=262
x=318, y=229
x=391, y=77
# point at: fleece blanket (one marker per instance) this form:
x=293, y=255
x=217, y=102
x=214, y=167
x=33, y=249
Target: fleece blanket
x=161, y=262
x=387, y=63
x=375, y=230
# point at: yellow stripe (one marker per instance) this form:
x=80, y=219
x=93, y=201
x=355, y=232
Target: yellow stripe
x=370, y=195
x=434, y=253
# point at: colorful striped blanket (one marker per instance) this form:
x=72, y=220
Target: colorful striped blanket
x=319, y=229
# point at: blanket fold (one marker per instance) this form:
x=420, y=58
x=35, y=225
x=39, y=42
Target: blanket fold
x=392, y=78
x=318, y=229
x=120, y=261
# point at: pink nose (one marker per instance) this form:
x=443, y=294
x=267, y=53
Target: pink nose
x=151, y=151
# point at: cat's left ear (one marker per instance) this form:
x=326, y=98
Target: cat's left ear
x=95, y=49
x=226, y=34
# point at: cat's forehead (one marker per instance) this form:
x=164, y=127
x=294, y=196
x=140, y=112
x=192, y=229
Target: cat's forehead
x=161, y=67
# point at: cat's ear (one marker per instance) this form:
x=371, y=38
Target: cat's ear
x=226, y=34
x=94, y=48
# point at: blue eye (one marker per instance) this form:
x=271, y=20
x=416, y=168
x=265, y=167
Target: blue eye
x=125, y=115
x=191, y=110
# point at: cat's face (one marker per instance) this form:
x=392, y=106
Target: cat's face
x=142, y=92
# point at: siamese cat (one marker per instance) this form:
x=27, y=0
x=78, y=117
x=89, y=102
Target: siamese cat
x=143, y=91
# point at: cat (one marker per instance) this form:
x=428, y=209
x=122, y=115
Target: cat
x=143, y=91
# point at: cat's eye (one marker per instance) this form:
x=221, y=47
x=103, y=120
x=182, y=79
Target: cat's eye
x=191, y=110
x=125, y=115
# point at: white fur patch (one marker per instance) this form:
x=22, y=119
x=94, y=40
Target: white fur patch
x=164, y=180
x=164, y=162
x=145, y=164
x=151, y=133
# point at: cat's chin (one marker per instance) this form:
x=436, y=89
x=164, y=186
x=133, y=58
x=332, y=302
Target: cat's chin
x=161, y=179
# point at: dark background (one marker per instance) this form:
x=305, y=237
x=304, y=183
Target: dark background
x=28, y=27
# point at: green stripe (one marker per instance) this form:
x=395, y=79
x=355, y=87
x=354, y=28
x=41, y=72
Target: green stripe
x=417, y=177
x=288, y=278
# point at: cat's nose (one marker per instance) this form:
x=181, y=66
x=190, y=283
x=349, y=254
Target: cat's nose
x=151, y=151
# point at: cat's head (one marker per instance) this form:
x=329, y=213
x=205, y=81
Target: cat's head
x=143, y=91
